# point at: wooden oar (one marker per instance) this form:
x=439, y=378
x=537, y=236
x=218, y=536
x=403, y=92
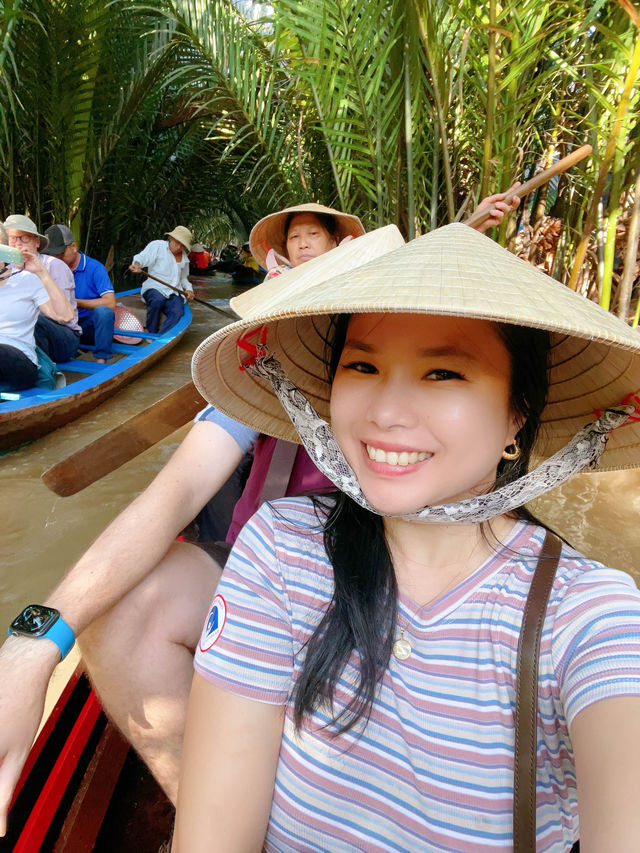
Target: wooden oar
x=124, y=442
x=195, y=298
x=537, y=181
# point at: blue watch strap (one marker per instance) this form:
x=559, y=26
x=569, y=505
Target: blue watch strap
x=61, y=634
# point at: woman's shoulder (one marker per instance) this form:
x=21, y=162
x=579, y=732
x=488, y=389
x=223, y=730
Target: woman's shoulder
x=294, y=517
x=574, y=568
x=284, y=543
x=586, y=577
x=587, y=596
x=591, y=637
x=589, y=590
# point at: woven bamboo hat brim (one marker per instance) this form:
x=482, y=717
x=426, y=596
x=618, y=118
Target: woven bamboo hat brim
x=268, y=232
x=456, y=271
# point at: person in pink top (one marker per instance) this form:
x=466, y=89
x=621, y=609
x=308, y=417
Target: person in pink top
x=139, y=596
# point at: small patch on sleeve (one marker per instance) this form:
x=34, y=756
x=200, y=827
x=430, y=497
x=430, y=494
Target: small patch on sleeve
x=214, y=624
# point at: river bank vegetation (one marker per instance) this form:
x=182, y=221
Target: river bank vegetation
x=122, y=118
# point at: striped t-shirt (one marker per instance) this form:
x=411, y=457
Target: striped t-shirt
x=433, y=767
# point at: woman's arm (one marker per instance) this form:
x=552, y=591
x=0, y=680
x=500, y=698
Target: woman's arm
x=229, y=761
x=58, y=307
x=498, y=206
x=606, y=743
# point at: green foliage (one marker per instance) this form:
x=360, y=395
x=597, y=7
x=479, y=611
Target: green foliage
x=124, y=118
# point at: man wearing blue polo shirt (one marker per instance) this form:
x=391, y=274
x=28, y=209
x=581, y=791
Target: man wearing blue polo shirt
x=94, y=292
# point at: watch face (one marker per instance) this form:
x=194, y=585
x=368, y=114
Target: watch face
x=35, y=620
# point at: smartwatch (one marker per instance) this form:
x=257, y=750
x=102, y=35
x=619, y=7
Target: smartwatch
x=40, y=621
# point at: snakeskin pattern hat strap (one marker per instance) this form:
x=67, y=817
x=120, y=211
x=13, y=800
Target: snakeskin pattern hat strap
x=584, y=450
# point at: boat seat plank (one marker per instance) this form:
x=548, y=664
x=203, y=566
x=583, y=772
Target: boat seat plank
x=128, y=349
x=152, y=336
x=80, y=366
x=86, y=814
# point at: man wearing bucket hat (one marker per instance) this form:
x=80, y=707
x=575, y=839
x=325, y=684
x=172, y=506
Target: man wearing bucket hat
x=59, y=341
x=169, y=262
x=145, y=606
x=357, y=669
x=94, y=291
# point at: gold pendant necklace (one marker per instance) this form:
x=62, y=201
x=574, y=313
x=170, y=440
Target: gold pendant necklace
x=401, y=648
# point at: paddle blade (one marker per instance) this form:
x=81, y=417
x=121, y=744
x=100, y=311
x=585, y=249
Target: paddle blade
x=123, y=443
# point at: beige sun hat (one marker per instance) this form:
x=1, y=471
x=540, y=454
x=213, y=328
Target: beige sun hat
x=182, y=235
x=268, y=233
x=22, y=223
x=455, y=271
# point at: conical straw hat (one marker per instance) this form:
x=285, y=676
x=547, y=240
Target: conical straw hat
x=268, y=232
x=456, y=271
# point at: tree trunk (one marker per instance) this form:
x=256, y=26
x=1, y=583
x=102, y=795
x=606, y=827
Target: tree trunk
x=626, y=282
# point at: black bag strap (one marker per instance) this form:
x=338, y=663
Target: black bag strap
x=526, y=743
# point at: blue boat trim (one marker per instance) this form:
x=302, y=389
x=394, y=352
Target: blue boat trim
x=97, y=372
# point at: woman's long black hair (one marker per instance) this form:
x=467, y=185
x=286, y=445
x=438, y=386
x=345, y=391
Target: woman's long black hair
x=362, y=614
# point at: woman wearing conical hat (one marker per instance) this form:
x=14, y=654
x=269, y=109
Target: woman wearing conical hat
x=355, y=683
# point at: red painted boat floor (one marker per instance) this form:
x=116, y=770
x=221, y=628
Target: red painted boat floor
x=83, y=789
x=140, y=817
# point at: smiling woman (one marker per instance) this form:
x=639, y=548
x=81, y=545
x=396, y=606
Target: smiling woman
x=392, y=396
x=361, y=694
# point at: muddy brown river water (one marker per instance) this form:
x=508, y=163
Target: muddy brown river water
x=41, y=534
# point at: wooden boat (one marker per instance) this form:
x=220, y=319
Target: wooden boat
x=247, y=276
x=38, y=411
x=83, y=788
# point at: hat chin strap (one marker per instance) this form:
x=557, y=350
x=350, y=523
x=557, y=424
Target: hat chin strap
x=584, y=449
